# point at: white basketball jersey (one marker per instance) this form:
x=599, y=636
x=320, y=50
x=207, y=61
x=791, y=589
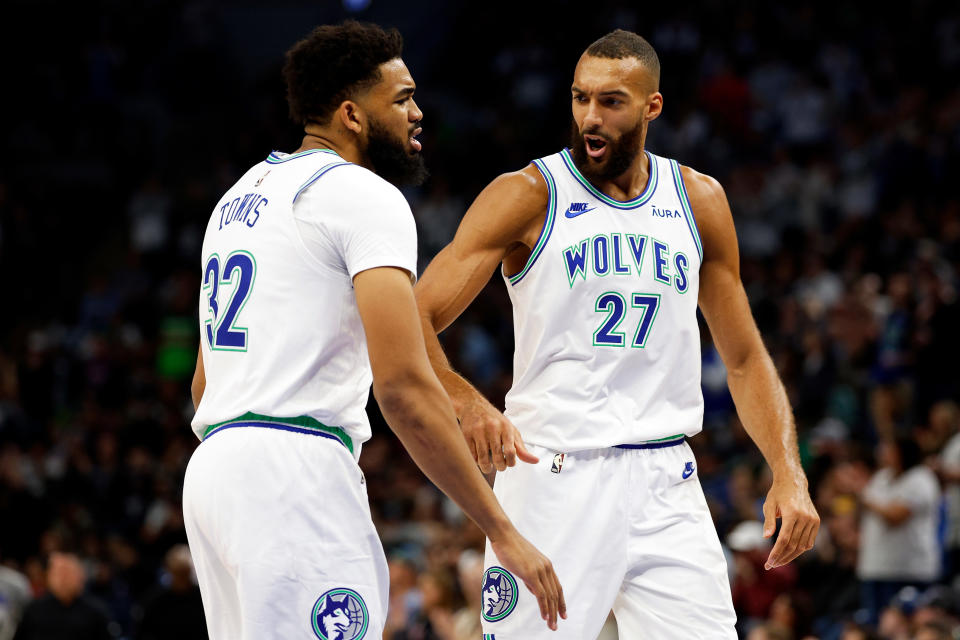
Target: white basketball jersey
x=607, y=343
x=282, y=341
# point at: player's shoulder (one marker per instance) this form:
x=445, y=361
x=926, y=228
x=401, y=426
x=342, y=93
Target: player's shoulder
x=700, y=186
x=523, y=192
x=707, y=199
x=357, y=186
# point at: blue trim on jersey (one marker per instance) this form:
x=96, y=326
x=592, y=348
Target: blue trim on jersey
x=276, y=158
x=639, y=201
x=317, y=176
x=273, y=425
x=687, y=209
x=547, y=223
x=652, y=445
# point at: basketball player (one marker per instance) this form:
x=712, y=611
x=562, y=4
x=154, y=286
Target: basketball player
x=308, y=262
x=607, y=249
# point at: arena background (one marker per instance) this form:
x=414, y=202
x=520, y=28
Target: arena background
x=833, y=126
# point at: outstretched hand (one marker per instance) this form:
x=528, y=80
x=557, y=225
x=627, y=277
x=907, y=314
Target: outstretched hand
x=522, y=559
x=492, y=439
x=789, y=501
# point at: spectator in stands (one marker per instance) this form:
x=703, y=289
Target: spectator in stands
x=14, y=596
x=945, y=417
x=174, y=610
x=65, y=612
x=755, y=588
x=898, y=544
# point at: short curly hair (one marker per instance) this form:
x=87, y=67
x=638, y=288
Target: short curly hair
x=333, y=63
x=621, y=44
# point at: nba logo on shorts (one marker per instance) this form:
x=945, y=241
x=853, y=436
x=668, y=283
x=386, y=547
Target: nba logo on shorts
x=557, y=462
x=499, y=594
x=340, y=614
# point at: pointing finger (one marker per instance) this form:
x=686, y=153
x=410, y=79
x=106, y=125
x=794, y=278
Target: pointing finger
x=523, y=454
x=783, y=542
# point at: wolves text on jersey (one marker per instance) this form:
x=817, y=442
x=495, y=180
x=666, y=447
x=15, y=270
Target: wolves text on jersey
x=623, y=254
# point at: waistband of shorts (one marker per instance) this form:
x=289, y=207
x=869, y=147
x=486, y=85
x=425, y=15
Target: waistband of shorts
x=659, y=443
x=299, y=424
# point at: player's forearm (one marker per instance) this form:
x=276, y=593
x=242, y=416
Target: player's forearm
x=196, y=388
x=422, y=417
x=766, y=414
x=456, y=386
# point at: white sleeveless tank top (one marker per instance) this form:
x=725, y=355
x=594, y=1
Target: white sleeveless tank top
x=607, y=342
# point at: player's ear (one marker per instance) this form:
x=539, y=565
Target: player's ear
x=351, y=116
x=654, y=107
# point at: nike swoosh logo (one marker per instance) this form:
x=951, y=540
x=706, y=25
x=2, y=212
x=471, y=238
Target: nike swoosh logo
x=574, y=214
x=687, y=473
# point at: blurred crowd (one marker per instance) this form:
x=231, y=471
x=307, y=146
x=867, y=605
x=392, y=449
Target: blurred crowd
x=834, y=129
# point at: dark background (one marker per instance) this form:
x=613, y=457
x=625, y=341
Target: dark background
x=833, y=126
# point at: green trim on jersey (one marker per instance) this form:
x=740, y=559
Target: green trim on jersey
x=547, y=223
x=687, y=209
x=276, y=158
x=675, y=437
x=640, y=200
x=304, y=422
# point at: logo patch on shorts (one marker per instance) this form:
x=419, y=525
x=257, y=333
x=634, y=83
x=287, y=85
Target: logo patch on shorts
x=340, y=614
x=557, y=462
x=687, y=471
x=499, y=594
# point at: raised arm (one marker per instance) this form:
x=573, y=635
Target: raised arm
x=502, y=225
x=419, y=412
x=756, y=388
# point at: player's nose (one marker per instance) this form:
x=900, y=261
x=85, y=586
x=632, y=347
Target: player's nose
x=415, y=114
x=592, y=116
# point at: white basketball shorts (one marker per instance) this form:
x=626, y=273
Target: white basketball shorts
x=627, y=530
x=280, y=532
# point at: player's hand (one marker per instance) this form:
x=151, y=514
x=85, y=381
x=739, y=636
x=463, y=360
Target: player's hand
x=491, y=438
x=790, y=501
x=522, y=559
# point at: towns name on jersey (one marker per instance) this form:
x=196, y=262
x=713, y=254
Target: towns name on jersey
x=241, y=208
x=624, y=254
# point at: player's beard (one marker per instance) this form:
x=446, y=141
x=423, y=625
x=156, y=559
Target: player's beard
x=620, y=153
x=391, y=160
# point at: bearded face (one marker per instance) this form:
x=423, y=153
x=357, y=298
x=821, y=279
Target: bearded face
x=390, y=158
x=600, y=157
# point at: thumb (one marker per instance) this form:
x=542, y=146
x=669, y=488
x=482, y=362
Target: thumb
x=769, y=517
x=523, y=454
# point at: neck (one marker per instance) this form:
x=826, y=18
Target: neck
x=317, y=137
x=633, y=181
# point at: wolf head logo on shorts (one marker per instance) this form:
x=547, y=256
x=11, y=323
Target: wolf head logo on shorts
x=340, y=614
x=499, y=594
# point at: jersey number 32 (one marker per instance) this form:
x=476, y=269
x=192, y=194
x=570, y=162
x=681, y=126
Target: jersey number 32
x=239, y=270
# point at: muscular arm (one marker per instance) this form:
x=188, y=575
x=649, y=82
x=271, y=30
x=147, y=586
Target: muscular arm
x=756, y=388
x=419, y=412
x=502, y=224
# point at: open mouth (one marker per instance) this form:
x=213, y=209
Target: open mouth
x=596, y=146
x=416, y=144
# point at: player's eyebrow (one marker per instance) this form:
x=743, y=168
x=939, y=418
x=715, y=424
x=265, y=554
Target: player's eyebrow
x=608, y=92
x=405, y=92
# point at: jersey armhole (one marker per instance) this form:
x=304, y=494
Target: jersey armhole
x=547, y=223
x=687, y=209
